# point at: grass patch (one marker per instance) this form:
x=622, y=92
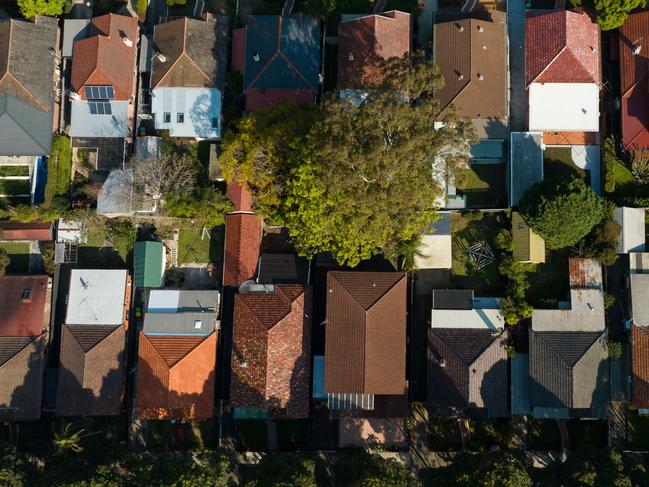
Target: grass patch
x=483, y=185
x=59, y=169
x=18, y=256
x=293, y=434
x=195, y=247
x=549, y=282
x=444, y=435
x=15, y=187
x=97, y=253
x=485, y=434
x=587, y=434
x=557, y=162
x=637, y=430
x=543, y=434
x=253, y=435
x=626, y=185
x=468, y=229
x=6, y=171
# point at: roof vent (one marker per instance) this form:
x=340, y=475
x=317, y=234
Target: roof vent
x=442, y=363
x=480, y=77
x=480, y=29
x=198, y=324
x=255, y=57
x=243, y=365
x=125, y=39
x=592, y=49
x=484, y=47
x=459, y=27
x=161, y=57
x=473, y=371
x=350, y=56
x=636, y=49
x=460, y=76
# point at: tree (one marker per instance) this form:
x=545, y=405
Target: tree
x=514, y=306
x=121, y=234
x=602, y=241
x=169, y=173
x=590, y=467
x=4, y=262
x=610, y=161
x=562, y=211
x=614, y=350
x=320, y=8
x=611, y=14
x=30, y=8
x=67, y=441
x=285, y=470
x=206, y=207
x=13, y=466
x=361, y=468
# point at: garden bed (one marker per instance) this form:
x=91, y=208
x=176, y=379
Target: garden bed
x=483, y=185
x=15, y=187
x=14, y=171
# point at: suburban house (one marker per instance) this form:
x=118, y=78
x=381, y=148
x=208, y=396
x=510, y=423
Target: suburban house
x=632, y=229
x=271, y=351
x=188, y=76
x=471, y=52
x=93, y=343
x=149, y=264
x=362, y=38
x=102, y=92
x=528, y=246
x=568, y=356
x=24, y=319
x=563, y=76
x=365, y=344
x=638, y=312
x=28, y=69
x=279, y=57
x=26, y=232
x=634, y=68
x=467, y=355
x=177, y=355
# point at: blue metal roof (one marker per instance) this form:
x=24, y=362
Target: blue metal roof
x=282, y=52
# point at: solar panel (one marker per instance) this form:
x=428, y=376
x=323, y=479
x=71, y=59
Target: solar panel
x=100, y=108
x=93, y=108
x=99, y=92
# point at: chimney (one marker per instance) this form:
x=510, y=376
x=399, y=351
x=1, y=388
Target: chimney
x=460, y=76
x=459, y=27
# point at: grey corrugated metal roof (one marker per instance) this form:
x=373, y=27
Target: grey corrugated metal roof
x=181, y=312
x=145, y=54
x=526, y=163
x=520, y=384
x=24, y=130
x=282, y=269
x=116, y=195
x=85, y=124
x=639, y=302
x=73, y=30
x=179, y=324
x=452, y=299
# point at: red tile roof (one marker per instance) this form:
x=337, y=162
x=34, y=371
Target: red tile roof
x=258, y=99
x=239, y=196
x=384, y=36
x=238, y=49
x=634, y=71
x=18, y=316
x=562, y=46
x=365, y=346
x=272, y=350
x=105, y=59
x=41, y=231
x=242, y=247
x=640, y=366
x=175, y=377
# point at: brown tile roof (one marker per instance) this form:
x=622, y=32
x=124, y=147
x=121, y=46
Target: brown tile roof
x=19, y=317
x=91, y=371
x=195, y=52
x=384, y=36
x=272, y=351
x=365, y=346
x=640, y=366
x=239, y=196
x=22, y=367
x=105, y=59
x=26, y=231
x=242, y=247
x=175, y=377
x=562, y=46
x=472, y=56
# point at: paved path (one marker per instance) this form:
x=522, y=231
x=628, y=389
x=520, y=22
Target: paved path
x=617, y=425
x=587, y=157
x=517, y=95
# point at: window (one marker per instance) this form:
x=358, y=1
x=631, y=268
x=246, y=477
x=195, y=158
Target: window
x=215, y=123
x=26, y=294
x=180, y=117
x=166, y=118
x=198, y=324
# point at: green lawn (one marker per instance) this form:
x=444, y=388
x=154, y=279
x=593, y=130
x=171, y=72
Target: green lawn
x=293, y=434
x=444, y=435
x=557, y=162
x=483, y=185
x=14, y=171
x=196, y=247
x=97, y=253
x=625, y=184
x=18, y=256
x=468, y=229
x=543, y=434
x=549, y=282
x=59, y=168
x=253, y=434
x=587, y=434
x=637, y=430
x=14, y=187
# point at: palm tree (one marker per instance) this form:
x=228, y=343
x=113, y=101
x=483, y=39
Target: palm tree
x=66, y=441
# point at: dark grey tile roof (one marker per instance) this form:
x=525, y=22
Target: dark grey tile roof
x=452, y=299
x=87, y=336
x=568, y=370
x=24, y=130
x=282, y=269
x=467, y=369
x=10, y=346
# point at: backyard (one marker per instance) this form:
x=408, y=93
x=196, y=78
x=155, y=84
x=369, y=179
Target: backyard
x=164, y=435
x=557, y=162
x=543, y=434
x=469, y=230
x=59, y=167
x=549, y=281
x=483, y=185
x=200, y=247
x=98, y=253
x=637, y=430
x=18, y=256
x=626, y=186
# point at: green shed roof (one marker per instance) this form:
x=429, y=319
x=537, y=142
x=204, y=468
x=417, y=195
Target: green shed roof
x=148, y=264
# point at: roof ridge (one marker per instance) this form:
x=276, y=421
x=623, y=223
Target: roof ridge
x=597, y=337
x=294, y=68
x=533, y=80
x=164, y=362
x=28, y=132
x=27, y=343
x=9, y=73
x=191, y=350
x=95, y=345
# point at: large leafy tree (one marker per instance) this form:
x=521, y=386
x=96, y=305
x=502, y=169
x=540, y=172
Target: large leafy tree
x=611, y=14
x=361, y=174
x=504, y=469
x=361, y=468
x=30, y=8
x=285, y=470
x=562, y=211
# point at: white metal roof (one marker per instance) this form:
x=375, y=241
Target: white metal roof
x=586, y=313
x=199, y=107
x=632, y=236
x=563, y=107
x=96, y=297
x=484, y=315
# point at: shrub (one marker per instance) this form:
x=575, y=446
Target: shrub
x=614, y=350
x=610, y=160
x=141, y=8
x=4, y=262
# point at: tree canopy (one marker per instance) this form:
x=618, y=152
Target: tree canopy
x=361, y=468
x=562, y=211
x=611, y=14
x=30, y=8
x=359, y=174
